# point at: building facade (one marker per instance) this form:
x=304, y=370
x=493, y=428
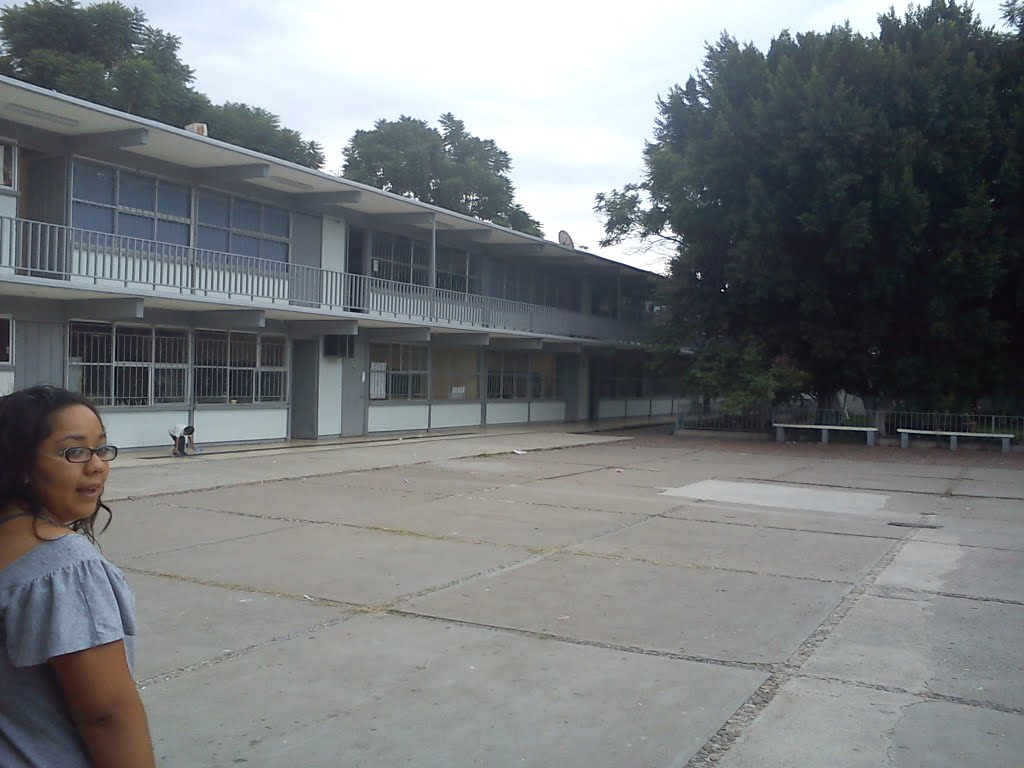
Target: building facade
x=173, y=278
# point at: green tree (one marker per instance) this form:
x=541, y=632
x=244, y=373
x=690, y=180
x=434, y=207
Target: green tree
x=108, y=54
x=449, y=168
x=833, y=203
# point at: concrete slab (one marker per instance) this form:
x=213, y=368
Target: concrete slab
x=860, y=480
x=336, y=563
x=964, y=648
x=501, y=522
x=300, y=499
x=635, y=477
x=781, y=496
x=611, y=454
x=144, y=527
x=388, y=691
x=763, y=550
x=993, y=474
x=994, y=534
x=990, y=489
x=506, y=469
x=816, y=724
x=558, y=493
x=957, y=570
x=736, y=465
x=427, y=479
x=656, y=607
x=182, y=624
x=216, y=470
x=982, y=509
x=797, y=520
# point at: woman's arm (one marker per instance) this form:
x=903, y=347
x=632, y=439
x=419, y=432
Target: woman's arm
x=105, y=706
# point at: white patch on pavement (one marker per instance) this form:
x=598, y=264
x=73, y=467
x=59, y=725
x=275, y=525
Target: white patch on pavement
x=781, y=496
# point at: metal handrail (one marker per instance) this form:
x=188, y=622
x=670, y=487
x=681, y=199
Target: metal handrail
x=43, y=250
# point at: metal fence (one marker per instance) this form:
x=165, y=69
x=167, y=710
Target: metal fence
x=708, y=416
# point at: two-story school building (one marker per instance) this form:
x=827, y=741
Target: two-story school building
x=173, y=278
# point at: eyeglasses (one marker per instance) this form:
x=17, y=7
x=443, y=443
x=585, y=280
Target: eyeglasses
x=79, y=454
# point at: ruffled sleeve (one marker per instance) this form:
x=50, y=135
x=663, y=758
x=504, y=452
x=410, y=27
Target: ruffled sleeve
x=76, y=606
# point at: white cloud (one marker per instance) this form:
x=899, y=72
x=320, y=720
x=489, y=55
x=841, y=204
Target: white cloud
x=567, y=88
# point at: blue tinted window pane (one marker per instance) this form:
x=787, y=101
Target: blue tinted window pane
x=174, y=200
x=137, y=192
x=275, y=221
x=246, y=216
x=92, y=217
x=131, y=225
x=271, y=249
x=212, y=239
x=94, y=183
x=214, y=209
x=172, y=232
x=245, y=246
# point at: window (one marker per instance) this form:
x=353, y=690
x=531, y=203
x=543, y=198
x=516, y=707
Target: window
x=398, y=372
x=6, y=341
x=507, y=375
x=237, y=368
x=518, y=282
x=242, y=227
x=455, y=374
x=91, y=360
x=544, y=381
x=118, y=202
x=273, y=369
x=400, y=259
x=9, y=177
x=457, y=270
x=128, y=365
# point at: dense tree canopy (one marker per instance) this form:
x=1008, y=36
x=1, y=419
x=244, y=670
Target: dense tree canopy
x=846, y=209
x=449, y=168
x=106, y=53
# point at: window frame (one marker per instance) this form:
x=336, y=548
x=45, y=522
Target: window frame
x=119, y=207
x=399, y=259
x=453, y=377
x=181, y=354
x=11, y=358
x=548, y=380
x=386, y=383
x=107, y=371
x=12, y=170
x=230, y=373
x=510, y=378
x=234, y=232
x=269, y=243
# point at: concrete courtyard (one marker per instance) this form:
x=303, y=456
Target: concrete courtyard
x=538, y=598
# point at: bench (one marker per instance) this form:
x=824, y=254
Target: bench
x=780, y=431
x=905, y=436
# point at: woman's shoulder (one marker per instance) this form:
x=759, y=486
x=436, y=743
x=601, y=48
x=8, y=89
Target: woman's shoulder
x=56, y=549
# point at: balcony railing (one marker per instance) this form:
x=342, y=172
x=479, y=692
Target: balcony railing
x=36, y=249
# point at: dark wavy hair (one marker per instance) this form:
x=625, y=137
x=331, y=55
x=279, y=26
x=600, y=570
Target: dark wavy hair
x=25, y=422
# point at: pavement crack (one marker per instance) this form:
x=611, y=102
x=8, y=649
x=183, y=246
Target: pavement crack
x=731, y=730
x=908, y=593
x=164, y=677
x=541, y=635
x=701, y=566
x=248, y=588
x=924, y=696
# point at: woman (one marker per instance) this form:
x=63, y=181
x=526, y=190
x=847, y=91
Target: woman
x=67, y=623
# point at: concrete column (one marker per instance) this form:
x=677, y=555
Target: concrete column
x=433, y=250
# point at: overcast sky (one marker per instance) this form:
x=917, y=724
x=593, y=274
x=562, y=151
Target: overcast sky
x=567, y=88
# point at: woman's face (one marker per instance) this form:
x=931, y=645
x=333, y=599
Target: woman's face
x=70, y=492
